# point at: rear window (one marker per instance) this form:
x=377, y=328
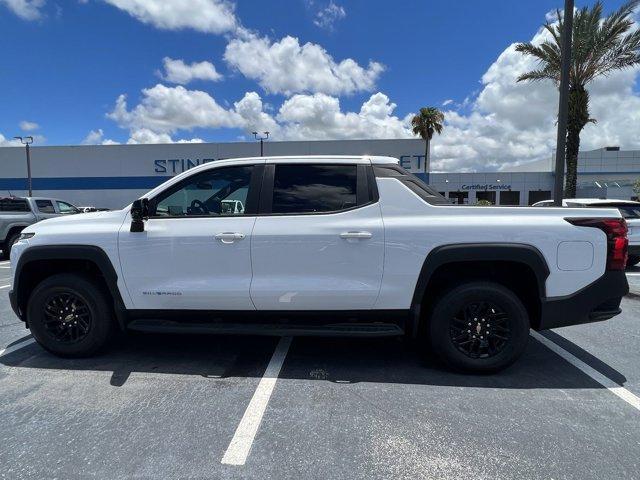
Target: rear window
x=314, y=188
x=413, y=183
x=14, y=205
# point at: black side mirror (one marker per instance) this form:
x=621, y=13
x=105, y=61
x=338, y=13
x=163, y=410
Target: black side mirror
x=139, y=213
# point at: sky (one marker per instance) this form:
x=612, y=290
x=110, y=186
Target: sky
x=159, y=71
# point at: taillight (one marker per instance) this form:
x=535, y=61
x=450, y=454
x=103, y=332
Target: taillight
x=616, y=231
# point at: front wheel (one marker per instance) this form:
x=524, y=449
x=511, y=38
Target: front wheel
x=479, y=327
x=9, y=244
x=69, y=315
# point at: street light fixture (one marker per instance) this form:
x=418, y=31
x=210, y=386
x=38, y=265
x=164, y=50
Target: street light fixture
x=26, y=141
x=262, y=139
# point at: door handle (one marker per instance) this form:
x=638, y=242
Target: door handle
x=229, y=237
x=359, y=235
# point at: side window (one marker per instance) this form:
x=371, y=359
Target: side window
x=314, y=188
x=66, y=208
x=45, y=206
x=219, y=191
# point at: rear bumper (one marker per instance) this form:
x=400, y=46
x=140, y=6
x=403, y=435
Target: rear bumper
x=634, y=250
x=596, y=302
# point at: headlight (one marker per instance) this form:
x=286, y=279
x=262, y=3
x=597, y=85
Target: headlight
x=25, y=236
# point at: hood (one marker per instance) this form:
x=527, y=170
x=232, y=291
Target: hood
x=78, y=219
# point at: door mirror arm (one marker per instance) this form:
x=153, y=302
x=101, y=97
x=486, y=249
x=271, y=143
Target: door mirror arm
x=139, y=213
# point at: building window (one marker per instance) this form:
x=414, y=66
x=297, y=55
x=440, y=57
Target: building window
x=486, y=195
x=509, y=198
x=459, y=198
x=538, y=196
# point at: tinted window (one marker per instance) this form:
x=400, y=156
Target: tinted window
x=14, y=205
x=417, y=186
x=45, y=206
x=66, y=208
x=220, y=191
x=314, y=188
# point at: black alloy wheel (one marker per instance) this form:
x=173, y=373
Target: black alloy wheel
x=67, y=319
x=480, y=329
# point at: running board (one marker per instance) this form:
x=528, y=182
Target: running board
x=332, y=330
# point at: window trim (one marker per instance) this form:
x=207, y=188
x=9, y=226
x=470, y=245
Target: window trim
x=366, y=192
x=253, y=195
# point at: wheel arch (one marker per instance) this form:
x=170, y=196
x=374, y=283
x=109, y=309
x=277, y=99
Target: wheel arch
x=38, y=262
x=496, y=256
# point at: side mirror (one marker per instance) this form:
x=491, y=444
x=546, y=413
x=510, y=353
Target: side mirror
x=139, y=213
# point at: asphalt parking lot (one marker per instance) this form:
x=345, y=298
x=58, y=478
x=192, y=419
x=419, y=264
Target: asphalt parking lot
x=258, y=407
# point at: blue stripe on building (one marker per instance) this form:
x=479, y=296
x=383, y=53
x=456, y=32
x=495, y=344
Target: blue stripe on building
x=84, y=183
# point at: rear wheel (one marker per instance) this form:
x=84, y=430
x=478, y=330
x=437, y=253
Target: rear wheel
x=69, y=315
x=633, y=260
x=479, y=327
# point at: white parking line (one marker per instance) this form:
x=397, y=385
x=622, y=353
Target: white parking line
x=238, y=450
x=16, y=346
x=606, y=382
x=4, y=286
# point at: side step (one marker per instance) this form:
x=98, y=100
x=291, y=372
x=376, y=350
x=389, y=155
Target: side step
x=332, y=330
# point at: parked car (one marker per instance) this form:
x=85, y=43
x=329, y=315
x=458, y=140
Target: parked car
x=16, y=213
x=629, y=209
x=324, y=246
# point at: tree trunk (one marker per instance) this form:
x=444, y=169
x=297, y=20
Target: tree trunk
x=578, y=117
x=573, y=147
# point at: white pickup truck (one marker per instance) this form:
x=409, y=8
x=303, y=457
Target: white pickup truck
x=322, y=246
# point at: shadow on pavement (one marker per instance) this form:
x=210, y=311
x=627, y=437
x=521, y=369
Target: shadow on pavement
x=344, y=360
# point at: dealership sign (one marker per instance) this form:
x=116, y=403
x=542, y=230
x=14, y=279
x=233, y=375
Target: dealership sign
x=486, y=186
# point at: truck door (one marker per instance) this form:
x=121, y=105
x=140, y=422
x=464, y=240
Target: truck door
x=319, y=243
x=194, y=252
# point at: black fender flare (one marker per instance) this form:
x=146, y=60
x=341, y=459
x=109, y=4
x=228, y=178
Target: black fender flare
x=472, y=252
x=90, y=253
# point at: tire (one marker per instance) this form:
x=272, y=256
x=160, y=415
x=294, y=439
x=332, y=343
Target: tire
x=86, y=322
x=633, y=260
x=9, y=244
x=453, y=340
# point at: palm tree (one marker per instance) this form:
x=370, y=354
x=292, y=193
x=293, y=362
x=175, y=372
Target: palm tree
x=425, y=123
x=600, y=46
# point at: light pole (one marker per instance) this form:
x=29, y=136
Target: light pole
x=26, y=141
x=563, y=106
x=262, y=139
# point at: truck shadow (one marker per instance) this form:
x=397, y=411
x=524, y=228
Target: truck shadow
x=342, y=360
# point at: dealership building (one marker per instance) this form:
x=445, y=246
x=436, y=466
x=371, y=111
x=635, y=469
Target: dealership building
x=114, y=175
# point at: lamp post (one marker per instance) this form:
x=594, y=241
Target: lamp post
x=26, y=141
x=262, y=139
x=563, y=106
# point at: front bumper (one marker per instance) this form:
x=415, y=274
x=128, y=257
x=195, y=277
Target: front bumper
x=596, y=302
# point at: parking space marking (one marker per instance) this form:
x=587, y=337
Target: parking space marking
x=606, y=382
x=4, y=286
x=16, y=346
x=238, y=450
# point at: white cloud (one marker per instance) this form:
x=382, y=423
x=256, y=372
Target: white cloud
x=168, y=109
x=288, y=67
x=176, y=71
x=210, y=16
x=9, y=142
x=145, y=135
x=26, y=9
x=27, y=126
x=319, y=117
x=96, y=137
x=447, y=102
x=328, y=16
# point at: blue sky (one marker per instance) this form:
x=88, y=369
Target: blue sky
x=67, y=62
